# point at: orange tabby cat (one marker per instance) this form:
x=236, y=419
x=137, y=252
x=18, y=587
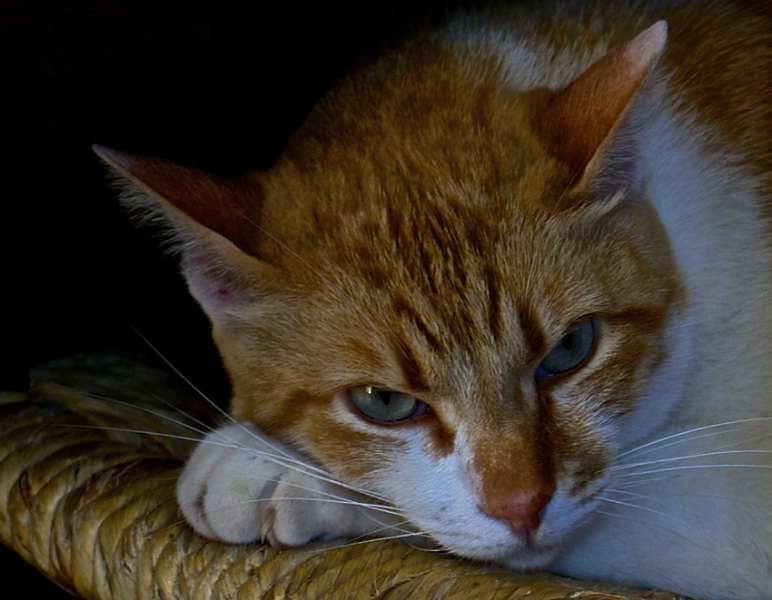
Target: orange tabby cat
x=506, y=291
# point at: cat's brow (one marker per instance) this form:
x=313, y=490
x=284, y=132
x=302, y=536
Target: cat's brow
x=495, y=318
x=533, y=334
x=402, y=308
x=411, y=368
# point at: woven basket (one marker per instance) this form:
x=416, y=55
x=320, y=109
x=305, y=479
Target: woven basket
x=87, y=497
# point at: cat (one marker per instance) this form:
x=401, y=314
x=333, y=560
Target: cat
x=504, y=293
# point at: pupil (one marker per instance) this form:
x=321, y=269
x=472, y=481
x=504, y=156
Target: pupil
x=568, y=342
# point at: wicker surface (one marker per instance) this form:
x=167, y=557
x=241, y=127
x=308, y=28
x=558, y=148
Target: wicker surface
x=90, y=502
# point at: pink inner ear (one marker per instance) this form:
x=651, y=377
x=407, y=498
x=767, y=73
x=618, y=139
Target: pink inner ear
x=220, y=295
x=221, y=277
x=215, y=291
x=215, y=297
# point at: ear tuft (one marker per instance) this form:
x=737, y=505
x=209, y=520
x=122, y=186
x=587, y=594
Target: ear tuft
x=231, y=208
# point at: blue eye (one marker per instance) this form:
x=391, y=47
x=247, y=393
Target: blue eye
x=385, y=406
x=572, y=350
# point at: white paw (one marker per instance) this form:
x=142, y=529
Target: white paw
x=241, y=485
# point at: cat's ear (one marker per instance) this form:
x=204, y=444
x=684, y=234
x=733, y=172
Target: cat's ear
x=212, y=220
x=578, y=123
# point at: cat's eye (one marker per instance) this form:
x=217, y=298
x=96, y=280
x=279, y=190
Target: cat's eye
x=571, y=351
x=386, y=406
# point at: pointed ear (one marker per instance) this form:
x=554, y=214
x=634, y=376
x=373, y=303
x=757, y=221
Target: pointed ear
x=576, y=124
x=223, y=205
x=213, y=223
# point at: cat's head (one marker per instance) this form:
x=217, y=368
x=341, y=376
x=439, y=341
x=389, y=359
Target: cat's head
x=447, y=292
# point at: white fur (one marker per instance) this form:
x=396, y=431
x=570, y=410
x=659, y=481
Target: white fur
x=703, y=531
x=241, y=485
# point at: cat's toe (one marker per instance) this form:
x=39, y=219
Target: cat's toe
x=241, y=485
x=226, y=483
x=267, y=533
x=295, y=515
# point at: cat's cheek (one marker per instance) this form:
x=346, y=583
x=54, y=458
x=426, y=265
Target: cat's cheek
x=347, y=444
x=437, y=495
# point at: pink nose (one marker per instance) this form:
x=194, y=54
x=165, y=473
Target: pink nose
x=521, y=510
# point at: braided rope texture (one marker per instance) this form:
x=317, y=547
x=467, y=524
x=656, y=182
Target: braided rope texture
x=87, y=496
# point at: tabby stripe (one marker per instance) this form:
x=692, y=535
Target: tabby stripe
x=411, y=369
x=532, y=332
x=403, y=309
x=495, y=322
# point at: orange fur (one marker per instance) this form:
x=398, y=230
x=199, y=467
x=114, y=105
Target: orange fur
x=422, y=242
x=440, y=222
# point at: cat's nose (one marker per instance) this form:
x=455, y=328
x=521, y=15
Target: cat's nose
x=521, y=509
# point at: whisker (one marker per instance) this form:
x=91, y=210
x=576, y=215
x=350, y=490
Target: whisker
x=643, y=508
x=305, y=467
x=686, y=457
x=174, y=436
x=346, y=544
x=179, y=373
x=278, y=241
x=626, y=493
x=679, y=441
x=335, y=499
x=687, y=467
x=201, y=394
x=222, y=412
x=657, y=444
x=631, y=484
x=149, y=411
x=384, y=508
x=328, y=500
x=308, y=469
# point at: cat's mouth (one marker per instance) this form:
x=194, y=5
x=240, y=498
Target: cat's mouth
x=535, y=551
x=526, y=546
x=495, y=541
x=531, y=552
x=516, y=553
x=531, y=557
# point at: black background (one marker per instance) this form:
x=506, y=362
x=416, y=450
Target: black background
x=208, y=83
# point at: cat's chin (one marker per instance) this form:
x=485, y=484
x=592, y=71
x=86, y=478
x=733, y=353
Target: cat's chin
x=519, y=557
x=530, y=558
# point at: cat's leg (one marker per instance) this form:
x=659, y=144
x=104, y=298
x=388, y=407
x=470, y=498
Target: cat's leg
x=241, y=485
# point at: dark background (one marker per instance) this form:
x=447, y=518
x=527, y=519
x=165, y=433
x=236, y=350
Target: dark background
x=200, y=82
x=205, y=82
